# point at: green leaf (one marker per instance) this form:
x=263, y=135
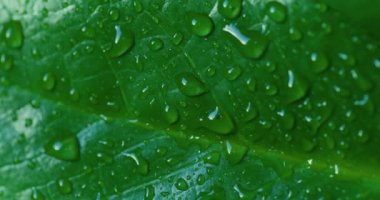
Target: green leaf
x=167, y=99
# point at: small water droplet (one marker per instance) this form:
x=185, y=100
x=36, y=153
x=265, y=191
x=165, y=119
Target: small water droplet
x=201, y=179
x=190, y=85
x=251, y=84
x=234, y=152
x=276, y=11
x=233, y=73
x=210, y=71
x=308, y=145
x=230, y=9
x=200, y=24
x=295, y=34
x=181, y=184
x=156, y=44
x=74, y=94
x=137, y=5
x=212, y=158
x=218, y=121
x=287, y=120
x=319, y=62
x=64, y=186
x=123, y=42
x=13, y=34
x=171, y=114
x=250, y=112
x=114, y=14
x=270, y=89
x=362, y=136
x=296, y=88
x=63, y=147
x=177, y=38
x=6, y=62
x=149, y=192
x=48, y=81
x=251, y=44
x=88, y=31
x=141, y=163
x=36, y=195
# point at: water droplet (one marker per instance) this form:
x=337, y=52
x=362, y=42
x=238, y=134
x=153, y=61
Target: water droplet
x=251, y=44
x=13, y=34
x=6, y=62
x=201, y=179
x=149, y=192
x=190, y=85
x=250, y=112
x=295, y=34
x=177, y=38
x=64, y=186
x=233, y=73
x=37, y=195
x=218, y=121
x=230, y=9
x=181, y=184
x=270, y=89
x=141, y=163
x=210, y=71
x=362, y=136
x=48, y=81
x=114, y=14
x=200, y=24
x=376, y=62
x=137, y=5
x=363, y=83
x=156, y=44
x=171, y=114
x=234, y=152
x=296, y=88
x=212, y=158
x=74, y=94
x=276, y=11
x=251, y=84
x=319, y=62
x=308, y=145
x=287, y=120
x=88, y=31
x=63, y=147
x=123, y=42
x=348, y=59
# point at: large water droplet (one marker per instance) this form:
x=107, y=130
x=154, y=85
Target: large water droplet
x=319, y=62
x=276, y=11
x=200, y=24
x=251, y=44
x=123, y=41
x=48, y=81
x=13, y=34
x=218, y=121
x=156, y=44
x=190, y=85
x=141, y=163
x=234, y=152
x=64, y=186
x=181, y=184
x=63, y=147
x=230, y=9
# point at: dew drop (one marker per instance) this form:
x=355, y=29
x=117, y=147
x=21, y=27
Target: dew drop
x=251, y=84
x=88, y=31
x=307, y=145
x=123, y=42
x=171, y=114
x=218, y=121
x=13, y=34
x=201, y=179
x=296, y=88
x=276, y=11
x=141, y=163
x=156, y=44
x=114, y=14
x=181, y=184
x=210, y=71
x=74, y=94
x=251, y=44
x=36, y=195
x=234, y=152
x=190, y=85
x=177, y=38
x=149, y=192
x=295, y=34
x=362, y=136
x=270, y=89
x=233, y=73
x=48, y=81
x=64, y=186
x=63, y=147
x=212, y=158
x=250, y=112
x=319, y=62
x=137, y=5
x=230, y=9
x=200, y=24
x=287, y=120
x=6, y=62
